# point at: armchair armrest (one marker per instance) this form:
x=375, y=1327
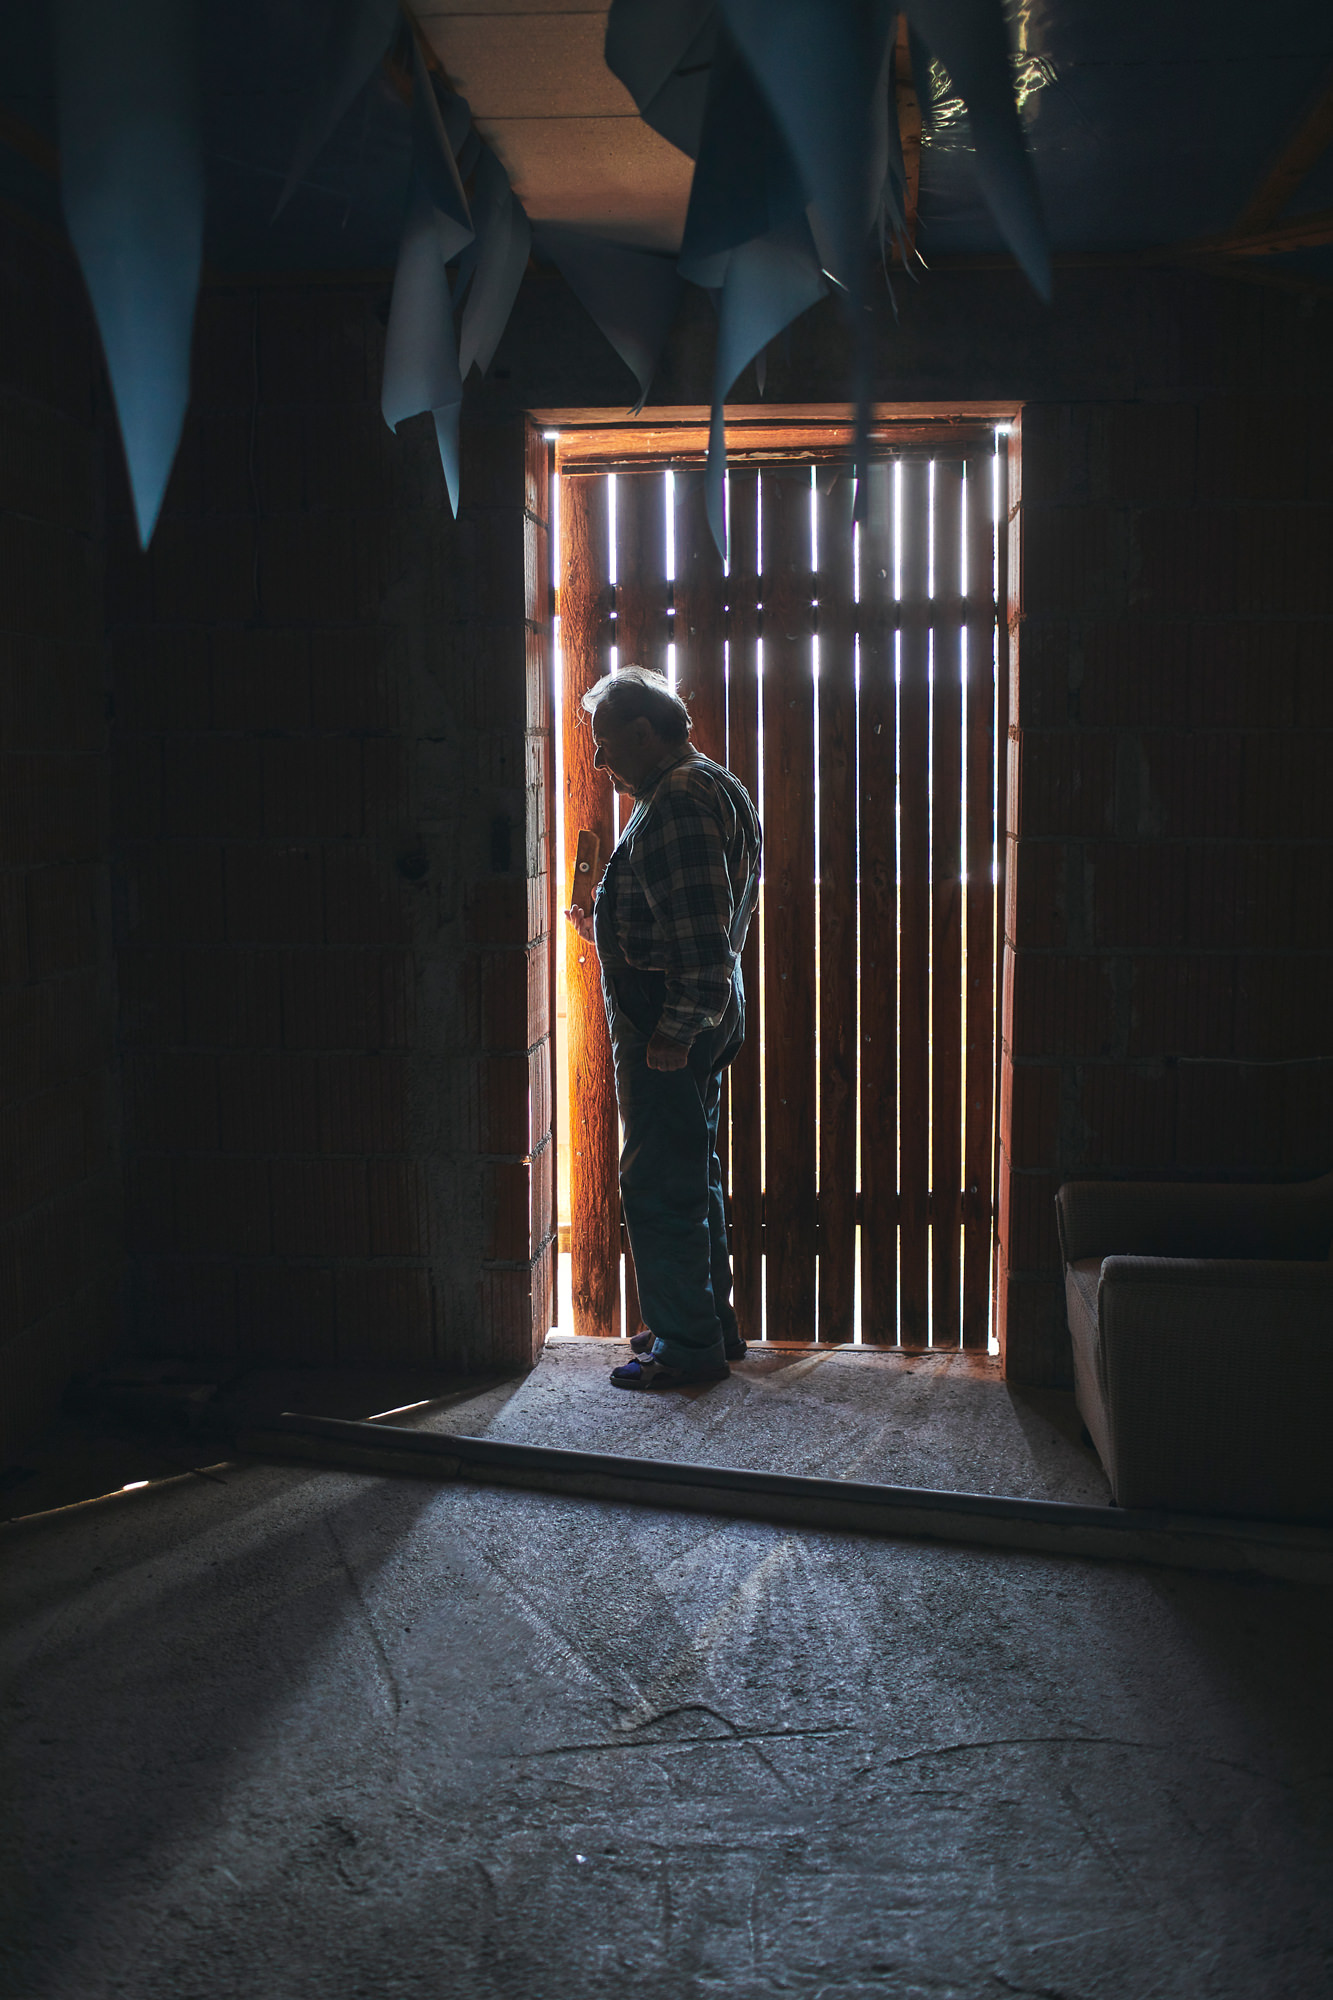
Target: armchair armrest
x=1183, y=1219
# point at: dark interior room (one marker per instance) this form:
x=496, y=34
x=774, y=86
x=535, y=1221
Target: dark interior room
x=939, y=405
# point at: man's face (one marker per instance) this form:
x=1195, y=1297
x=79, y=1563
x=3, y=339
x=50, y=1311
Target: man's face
x=626, y=751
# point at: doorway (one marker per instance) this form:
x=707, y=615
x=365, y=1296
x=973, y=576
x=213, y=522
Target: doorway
x=845, y=664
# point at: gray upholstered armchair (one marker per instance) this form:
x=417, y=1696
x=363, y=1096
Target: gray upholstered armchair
x=1202, y=1325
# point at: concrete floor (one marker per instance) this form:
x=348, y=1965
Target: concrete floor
x=278, y=1734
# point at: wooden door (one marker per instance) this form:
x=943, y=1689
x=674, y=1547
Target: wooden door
x=845, y=670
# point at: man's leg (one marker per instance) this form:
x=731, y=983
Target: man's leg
x=718, y=1245
x=665, y=1173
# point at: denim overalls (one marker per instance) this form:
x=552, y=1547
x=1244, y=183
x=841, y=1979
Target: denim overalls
x=670, y=1176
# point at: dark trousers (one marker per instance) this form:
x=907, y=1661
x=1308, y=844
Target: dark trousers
x=670, y=1177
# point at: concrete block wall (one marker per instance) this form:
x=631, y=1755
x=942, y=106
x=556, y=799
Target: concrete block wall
x=1169, y=930
x=328, y=755
x=59, y=1186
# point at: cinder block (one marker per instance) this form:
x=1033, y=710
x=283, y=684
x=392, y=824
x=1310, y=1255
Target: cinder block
x=1140, y=893
x=138, y=790
x=260, y=680
x=172, y=893
x=151, y=998
x=1068, y=784
x=184, y=1306
x=363, y=1103
x=1133, y=673
x=1255, y=450
x=152, y=1186
x=1074, y=560
x=400, y=1217
x=161, y=678
x=1286, y=792
x=1060, y=451
x=1284, y=1004
x=312, y=788
x=365, y=898
x=357, y=678
x=274, y=893
x=1049, y=670
x=1183, y=1006
x=1194, y=783
x=1129, y=1118
x=1150, y=452
x=1060, y=1005
x=285, y=1314
x=272, y=1104
x=171, y=1102
x=1231, y=1119
x=496, y=911
x=1244, y=894
x=1034, y=1337
x=313, y=346
x=386, y=785
x=348, y=1000
x=508, y=1208
x=510, y=1307
x=1246, y=673
x=13, y=927
x=223, y=1205
x=385, y=1314
x=233, y=998
x=320, y=1208
x=212, y=788
x=203, y=569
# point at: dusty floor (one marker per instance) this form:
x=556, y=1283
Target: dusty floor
x=277, y=1734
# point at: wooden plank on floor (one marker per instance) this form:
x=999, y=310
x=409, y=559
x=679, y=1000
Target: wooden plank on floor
x=979, y=901
x=914, y=902
x=877, y=736
x=834, y=588
x=585, y=645
x=787, y=585
x=744, y=1085
x=946, y=941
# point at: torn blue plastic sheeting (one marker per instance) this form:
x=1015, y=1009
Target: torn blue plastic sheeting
x=504, y=238
x=768, y=283
x=630, y=294
x=132, y=184
x=359, y=32
x=970, y=39
x=662, y=51
x=421, y=367
x=821, y=64
x=745, y=183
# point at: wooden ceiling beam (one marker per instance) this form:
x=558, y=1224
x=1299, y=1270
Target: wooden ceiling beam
x=1306, y=146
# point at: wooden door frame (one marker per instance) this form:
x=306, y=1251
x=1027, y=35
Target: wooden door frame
x=598, y=441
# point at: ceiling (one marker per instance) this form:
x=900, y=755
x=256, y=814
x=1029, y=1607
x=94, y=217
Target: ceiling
x=1150, y=124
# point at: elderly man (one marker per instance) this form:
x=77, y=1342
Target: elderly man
x=669, y=920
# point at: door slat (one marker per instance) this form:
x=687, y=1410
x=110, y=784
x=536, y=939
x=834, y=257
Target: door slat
x=585, y=648
x=744, y=1087
x=837, y=906
x=787, y=585
x=914, y=903
x=979, y=904
x=946, y=942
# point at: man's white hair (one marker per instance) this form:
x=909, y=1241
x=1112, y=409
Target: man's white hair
x=635, y=691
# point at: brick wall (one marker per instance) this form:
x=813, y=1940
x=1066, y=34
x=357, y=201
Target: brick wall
x=58, y=1170
x=1169, y=954
x=330, y=755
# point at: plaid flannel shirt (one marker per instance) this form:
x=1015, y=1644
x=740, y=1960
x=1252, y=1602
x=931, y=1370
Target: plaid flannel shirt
x=683, y=865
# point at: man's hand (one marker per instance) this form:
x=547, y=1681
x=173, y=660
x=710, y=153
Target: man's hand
x=582, y=923
x=663, y=1053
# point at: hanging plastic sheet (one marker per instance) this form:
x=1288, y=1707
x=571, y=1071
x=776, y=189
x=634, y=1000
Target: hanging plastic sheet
x=421, y=363
x=133, y=193
x=969, y=38
x=631, y=294
x=662, y=51
x=504, y=239
x=358, y=34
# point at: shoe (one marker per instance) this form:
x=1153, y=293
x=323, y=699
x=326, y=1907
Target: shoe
x=642, y=1343
x=648, y=1374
